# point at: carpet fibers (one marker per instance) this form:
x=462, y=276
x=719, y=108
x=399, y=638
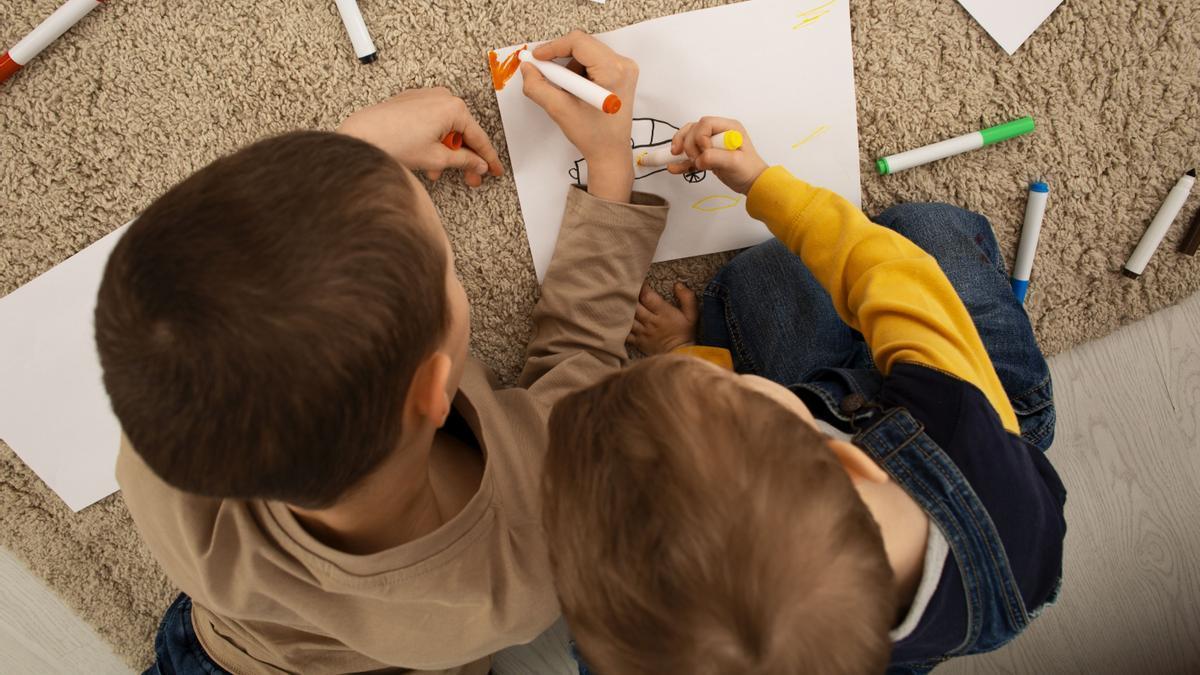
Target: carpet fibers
x=141, y=94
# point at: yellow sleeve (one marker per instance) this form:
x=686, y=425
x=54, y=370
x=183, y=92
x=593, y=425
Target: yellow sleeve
x=714, y=355
x=882, y=284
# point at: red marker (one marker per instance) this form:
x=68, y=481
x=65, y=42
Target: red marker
x=48, y=31
x=453, y=140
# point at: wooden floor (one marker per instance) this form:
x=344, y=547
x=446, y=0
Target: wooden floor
x=1128, y=449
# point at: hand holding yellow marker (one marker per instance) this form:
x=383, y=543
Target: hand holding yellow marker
x=726, y=140
x=698, y=145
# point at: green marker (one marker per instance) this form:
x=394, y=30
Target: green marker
x=954, y=146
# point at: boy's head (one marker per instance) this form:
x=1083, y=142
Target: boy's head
x=702, y=525
x=274, y=325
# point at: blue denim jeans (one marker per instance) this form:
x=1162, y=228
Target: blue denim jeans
x=177, y=651
x=768, y=310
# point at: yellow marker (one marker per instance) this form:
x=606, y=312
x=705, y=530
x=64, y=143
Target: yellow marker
x=726, y=140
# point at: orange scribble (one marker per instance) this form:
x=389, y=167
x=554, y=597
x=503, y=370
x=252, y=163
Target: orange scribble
x=502, y=71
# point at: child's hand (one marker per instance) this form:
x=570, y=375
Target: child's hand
x=736, y=168
x=410, y=127
x=659, y=327
x=602, y=138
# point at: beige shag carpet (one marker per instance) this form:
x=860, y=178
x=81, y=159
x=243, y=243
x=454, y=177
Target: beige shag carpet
x=143, y=92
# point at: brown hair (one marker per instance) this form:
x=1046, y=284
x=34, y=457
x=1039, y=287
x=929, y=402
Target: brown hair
x=260, y=323
x=700, y=527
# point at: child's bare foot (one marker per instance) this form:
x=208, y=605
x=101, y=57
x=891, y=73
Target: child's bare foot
x=659, y=327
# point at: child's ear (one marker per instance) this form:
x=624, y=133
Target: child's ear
x=427, y=397
x=857, y=463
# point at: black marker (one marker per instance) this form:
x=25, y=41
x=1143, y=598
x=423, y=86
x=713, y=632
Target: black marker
x=364, y=49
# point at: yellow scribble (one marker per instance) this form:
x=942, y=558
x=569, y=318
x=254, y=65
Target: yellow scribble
x=809, y=20
x=716, y=203
x=814, y=10
x=810, y=15
x=816, y=132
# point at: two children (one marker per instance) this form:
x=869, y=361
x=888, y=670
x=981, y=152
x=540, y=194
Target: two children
x=336, y=486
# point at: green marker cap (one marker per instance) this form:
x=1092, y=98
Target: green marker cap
x=1008, y=130
x=882, y=167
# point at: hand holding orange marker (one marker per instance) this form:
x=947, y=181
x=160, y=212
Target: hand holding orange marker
x=48, y=31
x=587, y=91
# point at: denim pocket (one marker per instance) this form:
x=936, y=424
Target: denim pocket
x=1036, y=414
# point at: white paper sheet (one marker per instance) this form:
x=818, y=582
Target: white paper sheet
x=784, y=68
x=54, y=411
x=1010, y=22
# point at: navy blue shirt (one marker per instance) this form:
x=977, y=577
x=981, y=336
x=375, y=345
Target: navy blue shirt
x=1014, y=481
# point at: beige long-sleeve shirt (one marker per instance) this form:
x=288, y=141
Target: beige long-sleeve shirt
x=268, y=597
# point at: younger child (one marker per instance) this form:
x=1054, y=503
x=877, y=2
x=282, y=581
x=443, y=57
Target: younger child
x=866, y=488
x=311, y=454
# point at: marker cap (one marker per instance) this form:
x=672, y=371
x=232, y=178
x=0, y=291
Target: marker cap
x=1008, y=130
x=1191, y=243
x=732, y=140
x=1020, y=287
x=7, y=67
x=1039, y=186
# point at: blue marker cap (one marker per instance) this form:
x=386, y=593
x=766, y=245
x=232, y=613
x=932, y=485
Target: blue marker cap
x=1020, y=286
x=1039, y=187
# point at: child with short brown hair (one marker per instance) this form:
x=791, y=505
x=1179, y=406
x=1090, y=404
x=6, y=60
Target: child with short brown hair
x=310, y=452
x=680, y=550
x=850, y=476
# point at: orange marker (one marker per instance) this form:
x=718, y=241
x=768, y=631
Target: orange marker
x=453, y=140
x=46, y=32
x=587, y=91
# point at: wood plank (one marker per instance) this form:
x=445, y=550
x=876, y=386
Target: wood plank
x=1129, y=453
x=39, y=634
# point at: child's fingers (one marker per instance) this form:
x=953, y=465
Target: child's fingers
x=585, y=49
x=677, y=140
x=477, y=140
x=709, y=126
x=433, y=174
x=642, y=315
x=713, y=159
x=650, y=299
x=463, y=159
x=688, y=302
x=691, y=143
x=637, y=329
x=539, y=90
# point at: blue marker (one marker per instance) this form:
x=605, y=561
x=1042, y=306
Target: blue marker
x=1035, y=210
